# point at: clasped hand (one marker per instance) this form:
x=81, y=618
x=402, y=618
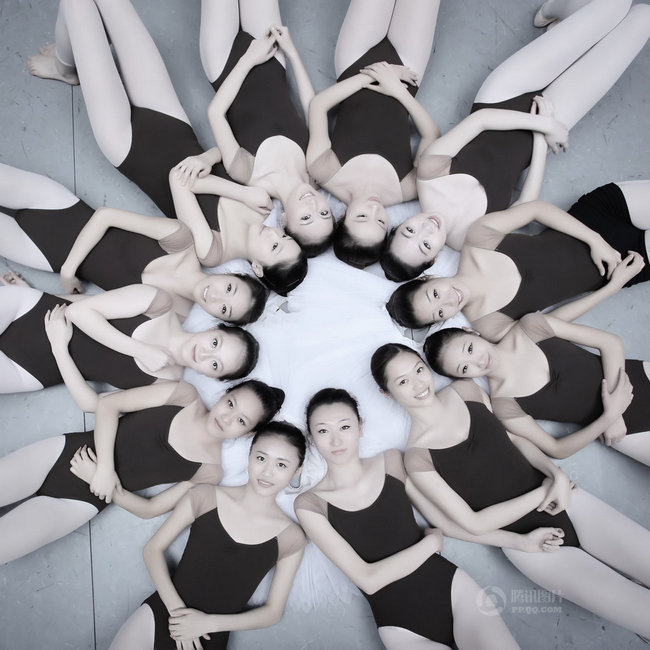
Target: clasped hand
x=389, y=79
x=187, y=626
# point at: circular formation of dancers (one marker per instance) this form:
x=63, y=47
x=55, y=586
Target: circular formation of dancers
x=192, y=327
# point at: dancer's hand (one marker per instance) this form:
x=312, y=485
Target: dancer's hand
x=70, y=282
x=57, y=327
x=104, y=483
x=627, y=269
x=154, y=357
x=558, y=494
x=616, y=402
x=188, y=626
x=603, y=255
x=545, y=540
x=557, y=136
x=84, y=464
x=258, y=199
x=436, y=538
x=188, y=170
x=388, y=80
x=261, y=50
x=283, y=38
x=614, y=433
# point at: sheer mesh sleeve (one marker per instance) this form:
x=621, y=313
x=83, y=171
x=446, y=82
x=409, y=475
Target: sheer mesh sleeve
x=215, y=254
x=311, y=501
x=203, y=498
x=536, y=327
x=160, y=304
x=482, y=235
x=409, y=189
x=394, y=464
x=183, y=394
x=208, y=473
x=241, y=167
x=418, y=459
x=290, y=540
x=324, y=167
x=432, y=166
x=506, y=408
x=468, y=390
x=494, y=326
x=180, y=240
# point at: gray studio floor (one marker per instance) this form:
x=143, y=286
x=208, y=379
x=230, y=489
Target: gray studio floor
x=75, y=593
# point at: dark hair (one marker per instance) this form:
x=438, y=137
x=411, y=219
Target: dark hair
x=311, y=249
x=434, y=344
x=271, y=398
x=331, y=396
x=400, y=304
x=285, y=276
x=382, y=357
x=259, y=295
x=293, y=435
x=396, y=269
x=251, y=346
x=350, y=251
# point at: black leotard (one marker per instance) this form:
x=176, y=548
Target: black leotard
x=118, y=259
x=573, y=391
x=420, y=602
x=25, y=342
x=263, y=106
x=143, y=458
x=486, y=468
x=218, y=575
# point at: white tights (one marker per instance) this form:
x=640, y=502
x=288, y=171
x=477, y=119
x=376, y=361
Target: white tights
x=576, y=62
x=220, y=21
x=477, y=624
x=588, y=576
x=138, y=631
x=38, y=520
x=409, y=24
x=144, y=81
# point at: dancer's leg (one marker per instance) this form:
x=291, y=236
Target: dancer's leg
x=23, y=189
x=23, y=471
x=477, y=624
x=219, y=26
x=143, y=71
x=365, y=24
x=138, y=631
x=14, y=302
x=599, y=69
x=256, y=18
x=399, y=638
x=560, y=9
x=582, y=576
x=39, y=521
x=411, y=32
x=637, y=197
x=636, y=446
x=537, y=64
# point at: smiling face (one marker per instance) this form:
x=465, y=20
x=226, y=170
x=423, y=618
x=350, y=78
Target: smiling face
x=335, y=430
x=225, y=296
x=308, y=215
x=409, y=380
x=436, y=300
x=270, y=246
x=272, y=463
x=215, y=353
x=419, y=239
x=236, y=413
x=367, y=221
x=467, y=355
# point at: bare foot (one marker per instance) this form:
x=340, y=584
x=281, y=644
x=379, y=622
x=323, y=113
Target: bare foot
x=12, y=279
x=49, y=49
x=47, y=66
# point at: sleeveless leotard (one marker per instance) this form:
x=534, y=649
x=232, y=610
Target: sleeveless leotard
x=420, y=602
x=216, y=574
x=553, y=267
x=143, y=457
x=26, y=344
x=118, y=259
x=369, y=122
x=573, y=391
x=469, y=467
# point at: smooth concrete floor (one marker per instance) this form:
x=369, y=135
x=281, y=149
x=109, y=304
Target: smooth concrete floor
x=76, y=592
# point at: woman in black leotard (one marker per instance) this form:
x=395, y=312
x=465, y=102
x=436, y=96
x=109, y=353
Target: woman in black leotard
x=53, y=230
x=367, y=161
x=503, y=275
x=462, y=459
x=127, y=337
x=142, y=129
x=237, y=535
x=473, y=168
x=260, y=133
x=538, y=371
x=166, y=436
x=360, y=515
